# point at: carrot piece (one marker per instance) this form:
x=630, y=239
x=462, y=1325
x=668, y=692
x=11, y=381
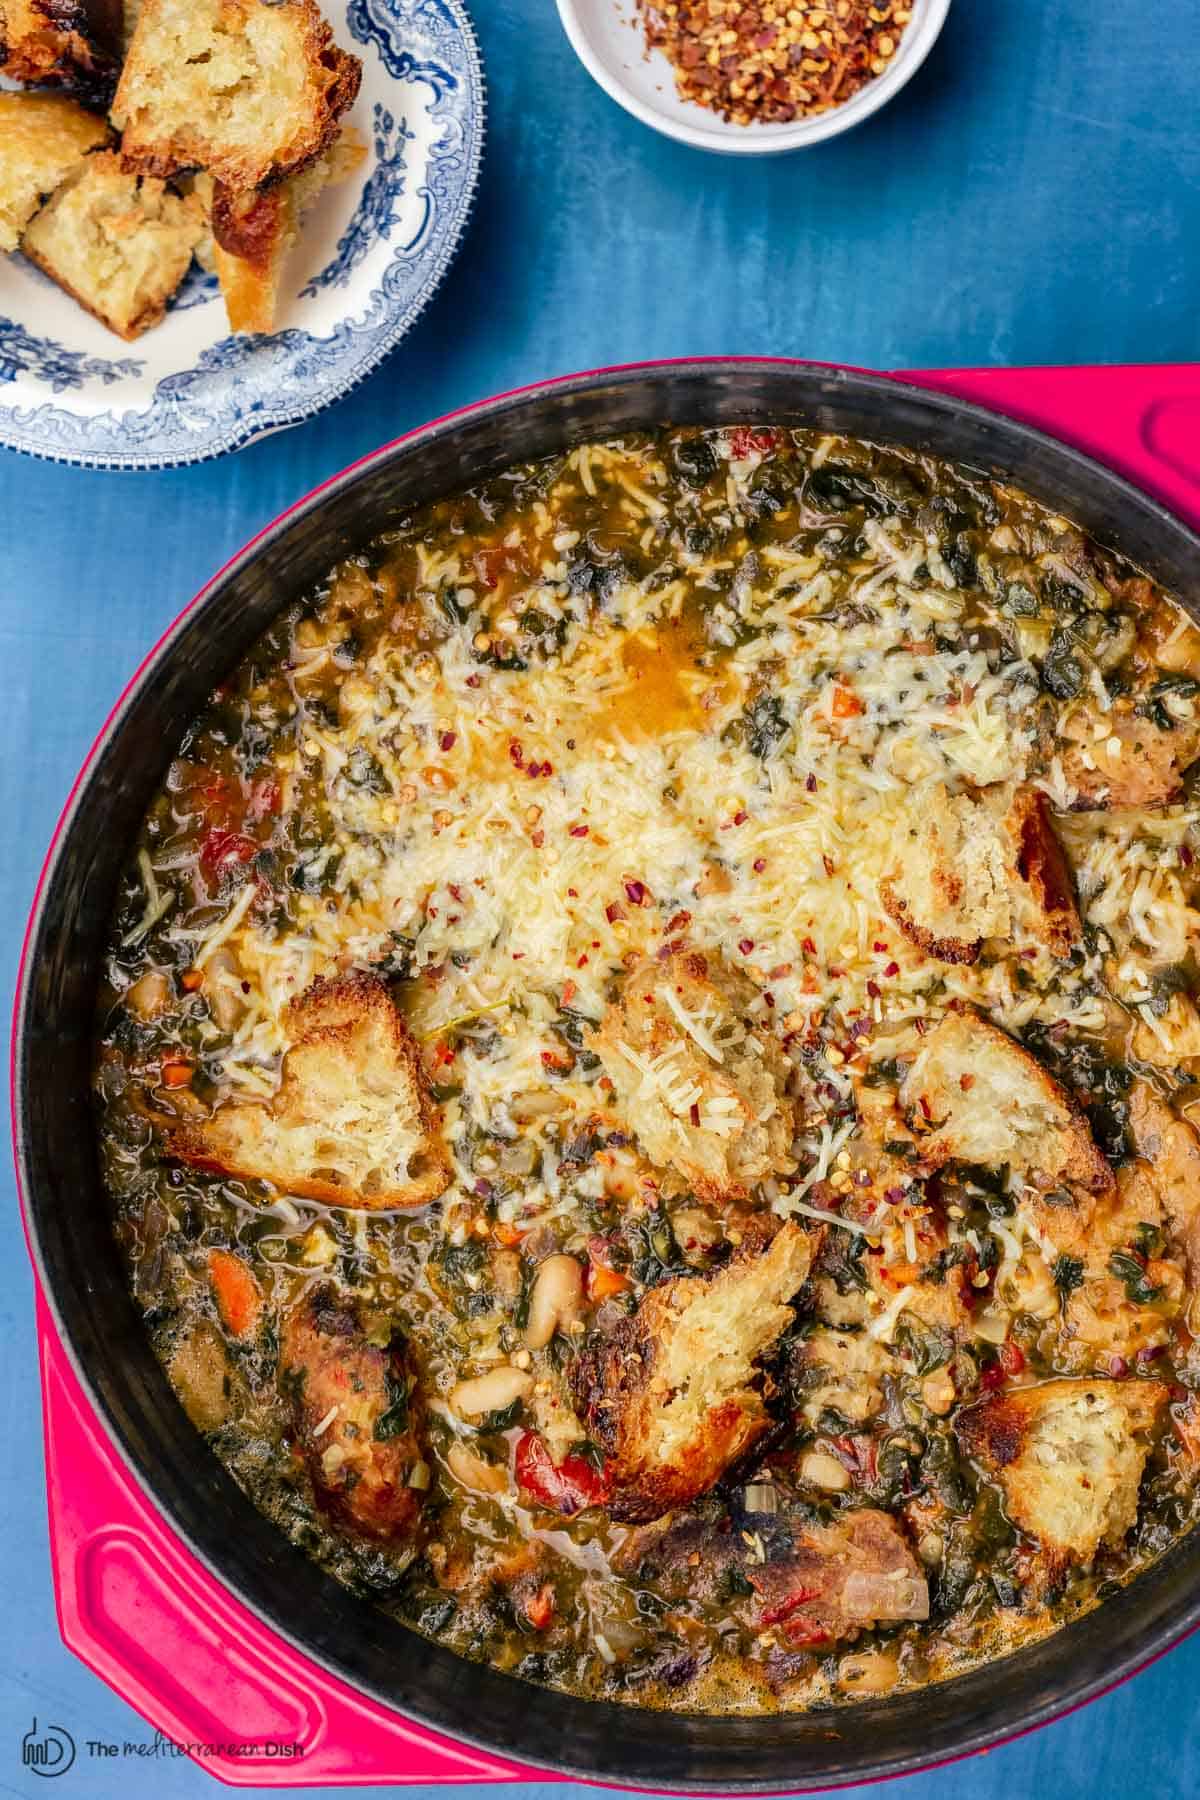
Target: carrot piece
x=603, y=1283
x=238, y=1298
x=539, y=1607
x=176, y=1073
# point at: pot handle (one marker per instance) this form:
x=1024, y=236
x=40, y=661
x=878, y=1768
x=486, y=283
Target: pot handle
x=1143, y=421
x=210, y=1679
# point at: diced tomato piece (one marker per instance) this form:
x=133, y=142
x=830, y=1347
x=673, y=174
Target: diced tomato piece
x=743, y=442
x=237, y=1292
x=491, y=564
x=539, y=1607
x=1012, y=1358
x=603, y=1282
x=176, y=1073
x=803, y=1632
x=783, y=1609
x=846, y=703
x=992, y=1377
x=220, y=848
x=567, y=1487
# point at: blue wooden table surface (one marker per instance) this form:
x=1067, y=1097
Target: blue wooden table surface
x=1032, y=197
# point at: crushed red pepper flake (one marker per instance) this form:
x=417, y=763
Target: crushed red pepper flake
x=765, y=62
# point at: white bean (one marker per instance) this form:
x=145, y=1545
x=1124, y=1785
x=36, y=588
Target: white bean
x=481, y=1477
x=870, y=1672
x=491, y=1392
x=824, y=1471
x=556, y=1300
x=149, y=995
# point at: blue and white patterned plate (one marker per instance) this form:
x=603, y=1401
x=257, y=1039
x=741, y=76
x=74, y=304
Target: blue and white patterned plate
x=372, y=253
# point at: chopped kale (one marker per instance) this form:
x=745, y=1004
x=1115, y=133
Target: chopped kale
x=1138, y=1286
x=394, y=1422
x=1068, y=1274
x=766, y=726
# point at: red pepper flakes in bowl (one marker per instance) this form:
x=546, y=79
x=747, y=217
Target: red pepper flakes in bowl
x=763, y=63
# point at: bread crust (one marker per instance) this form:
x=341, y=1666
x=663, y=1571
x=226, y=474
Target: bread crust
x=675, y=1396
x=945, y=949
x=254, y=232
x=949, y=847
x=156, y=140
x=347, y=1037
x=58, y=43
x=969, y=865
x=129, y=331
x=1040, y=863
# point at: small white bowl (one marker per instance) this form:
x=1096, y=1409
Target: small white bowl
x=607, y=37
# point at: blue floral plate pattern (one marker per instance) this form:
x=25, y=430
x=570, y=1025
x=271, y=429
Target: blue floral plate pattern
x=369, y=259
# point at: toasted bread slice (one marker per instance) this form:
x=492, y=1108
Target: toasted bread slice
x=352, y=1122
x=248, y=89
x=967, y=869
x=254, y=232
x=974, y=1095
x=43, y=139
x=1135, y=761
x=700, y=1085
x=675, y=1395
x=60, y=43
x=948, y=887
x=1069, y=1457
x=119, y=244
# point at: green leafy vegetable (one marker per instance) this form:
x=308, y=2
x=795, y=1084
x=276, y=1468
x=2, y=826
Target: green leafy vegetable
x=395, y=1421
x=1129, y=1269
x=1068, y=1274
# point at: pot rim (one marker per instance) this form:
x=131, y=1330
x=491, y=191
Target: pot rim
x=1153, y=1643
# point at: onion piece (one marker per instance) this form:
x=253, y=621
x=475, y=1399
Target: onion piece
x=760, y=1497
x=881, y=1598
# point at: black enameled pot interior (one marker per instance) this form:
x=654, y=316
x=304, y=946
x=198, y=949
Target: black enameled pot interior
x=77, y=1260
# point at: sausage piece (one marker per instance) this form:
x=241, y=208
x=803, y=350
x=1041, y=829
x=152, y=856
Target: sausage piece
x=357, y=1415
x=840, y=1578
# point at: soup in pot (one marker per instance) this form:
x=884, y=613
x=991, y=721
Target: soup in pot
x=648, y=1071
